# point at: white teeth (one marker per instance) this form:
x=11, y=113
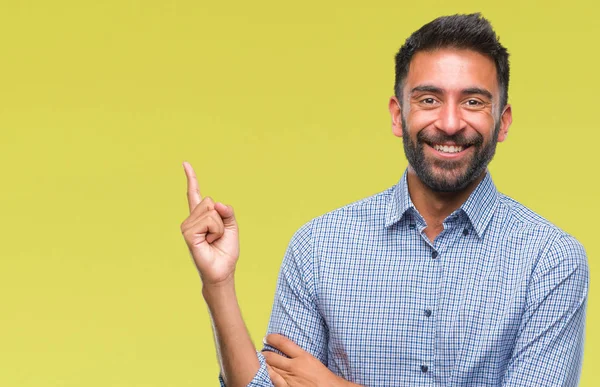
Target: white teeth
x=448, y=148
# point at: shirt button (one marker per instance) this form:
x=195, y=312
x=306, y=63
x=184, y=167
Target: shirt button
x=424, y=368
x=434, y=255
x=427, y=312
x=465, y=232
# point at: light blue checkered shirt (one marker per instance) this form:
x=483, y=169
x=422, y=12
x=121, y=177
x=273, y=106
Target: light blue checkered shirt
x=497, y=300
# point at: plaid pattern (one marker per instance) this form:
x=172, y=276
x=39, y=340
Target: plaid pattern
x=498, y=300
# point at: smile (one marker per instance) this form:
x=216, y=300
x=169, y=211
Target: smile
x=448, y=148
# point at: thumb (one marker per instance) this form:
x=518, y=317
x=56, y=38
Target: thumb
x=226, y=213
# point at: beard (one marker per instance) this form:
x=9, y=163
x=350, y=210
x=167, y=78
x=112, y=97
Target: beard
x=453, y=175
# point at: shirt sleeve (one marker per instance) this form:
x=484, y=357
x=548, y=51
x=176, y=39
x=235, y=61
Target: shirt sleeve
x=549, y=347
x=260, y=379
x=295, y=314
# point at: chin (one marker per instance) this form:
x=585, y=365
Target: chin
x=447, y=182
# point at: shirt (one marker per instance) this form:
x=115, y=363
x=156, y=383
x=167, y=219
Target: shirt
x=498, y=299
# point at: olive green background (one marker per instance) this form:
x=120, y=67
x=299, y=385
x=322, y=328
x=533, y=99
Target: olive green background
x=282, y=109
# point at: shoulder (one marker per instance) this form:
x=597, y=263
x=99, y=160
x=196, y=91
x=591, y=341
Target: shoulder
x=367, y=212
x=336, y=230
x=524, y=216
x=555, y=246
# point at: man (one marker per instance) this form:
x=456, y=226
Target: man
x=439, y=280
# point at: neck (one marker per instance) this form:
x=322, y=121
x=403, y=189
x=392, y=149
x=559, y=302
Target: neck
x=436, y=206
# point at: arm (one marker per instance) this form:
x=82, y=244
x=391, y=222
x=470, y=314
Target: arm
x=235, y=351
x=549, y=348
x=211, y=234
x=296, y=348
x=295, y=313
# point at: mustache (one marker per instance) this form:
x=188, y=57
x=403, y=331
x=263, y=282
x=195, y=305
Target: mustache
x=458, y=138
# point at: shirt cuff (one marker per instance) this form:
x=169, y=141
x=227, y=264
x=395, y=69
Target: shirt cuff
x=261, y=379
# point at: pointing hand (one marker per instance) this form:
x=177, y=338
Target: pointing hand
x=211, y=234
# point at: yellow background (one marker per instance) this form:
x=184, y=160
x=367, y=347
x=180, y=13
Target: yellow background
x=282, y=109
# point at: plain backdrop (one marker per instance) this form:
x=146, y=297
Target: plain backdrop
x=282, y=109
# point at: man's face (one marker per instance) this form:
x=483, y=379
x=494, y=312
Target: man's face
x=450, y=120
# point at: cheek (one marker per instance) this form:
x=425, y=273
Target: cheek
x=420, y=119
x=483, y=123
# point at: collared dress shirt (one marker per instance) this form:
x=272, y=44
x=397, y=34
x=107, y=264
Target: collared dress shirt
x=498, y=299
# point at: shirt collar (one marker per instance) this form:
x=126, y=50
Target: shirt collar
x=479, y=206
x=399, y=203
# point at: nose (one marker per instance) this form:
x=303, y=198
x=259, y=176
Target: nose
x=450, y=120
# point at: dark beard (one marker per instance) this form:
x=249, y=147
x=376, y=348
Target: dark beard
x=477, y=165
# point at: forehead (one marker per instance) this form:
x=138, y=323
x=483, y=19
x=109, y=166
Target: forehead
x=452, y=70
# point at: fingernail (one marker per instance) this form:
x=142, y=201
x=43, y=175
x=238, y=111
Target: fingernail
x=265, y=340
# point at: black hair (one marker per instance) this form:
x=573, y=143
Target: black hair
x=472, y=32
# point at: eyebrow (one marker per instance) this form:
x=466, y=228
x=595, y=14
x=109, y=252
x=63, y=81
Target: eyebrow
x=477, y=90
x=426, y=89
x=437, y=90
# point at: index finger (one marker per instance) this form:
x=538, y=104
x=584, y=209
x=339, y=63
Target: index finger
x=284, y=345
x=193, y=191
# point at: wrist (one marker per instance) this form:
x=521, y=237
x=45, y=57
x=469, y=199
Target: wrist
x=219, y=290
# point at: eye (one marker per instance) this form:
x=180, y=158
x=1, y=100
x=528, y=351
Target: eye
x=428, y=101
x=474, y=102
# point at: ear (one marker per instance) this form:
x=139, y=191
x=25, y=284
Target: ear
x=396, y=114
x=505, y=121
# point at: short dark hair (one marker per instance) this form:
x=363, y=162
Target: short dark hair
x=472, y=32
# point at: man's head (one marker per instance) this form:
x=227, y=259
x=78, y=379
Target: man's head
x=470, y=32
x=450, y=103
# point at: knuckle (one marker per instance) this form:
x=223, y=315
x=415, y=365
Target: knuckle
x=185, y=224
x=214, y=216
x=208, y=218
x=217, y=221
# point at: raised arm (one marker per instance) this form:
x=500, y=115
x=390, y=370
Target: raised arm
x=211, y=234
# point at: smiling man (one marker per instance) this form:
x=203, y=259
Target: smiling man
x=440, y=279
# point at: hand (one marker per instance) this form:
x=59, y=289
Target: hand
x=211, y=234
x=300, y=370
